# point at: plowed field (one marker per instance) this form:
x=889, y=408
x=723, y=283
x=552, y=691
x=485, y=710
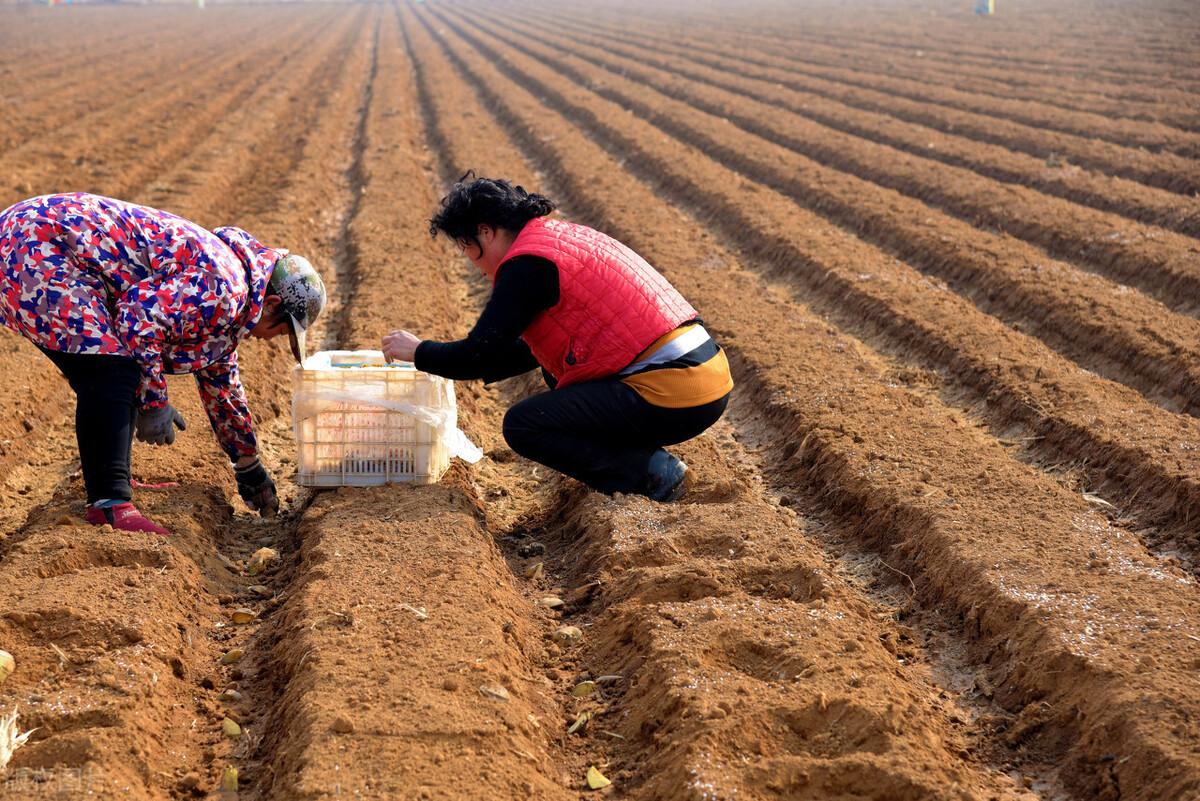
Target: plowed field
x=942, y=546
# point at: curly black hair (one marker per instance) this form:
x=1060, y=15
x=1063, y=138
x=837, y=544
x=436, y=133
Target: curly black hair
x=494, y=202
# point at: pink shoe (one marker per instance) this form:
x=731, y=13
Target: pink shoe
x=124, y=517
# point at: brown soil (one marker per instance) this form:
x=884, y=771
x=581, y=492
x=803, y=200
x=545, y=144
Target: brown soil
x=941, y=546
x=931, y=104
x=1052, y=173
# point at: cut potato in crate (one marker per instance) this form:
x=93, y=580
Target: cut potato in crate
x=360, y=421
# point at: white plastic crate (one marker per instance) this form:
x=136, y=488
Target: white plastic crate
x=361, y=422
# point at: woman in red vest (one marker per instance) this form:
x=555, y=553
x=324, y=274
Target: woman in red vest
x=631, y=368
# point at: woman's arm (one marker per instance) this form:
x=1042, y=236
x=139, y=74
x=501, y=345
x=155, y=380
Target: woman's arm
x=526, y=287
x=224, y=401
x=504, y=361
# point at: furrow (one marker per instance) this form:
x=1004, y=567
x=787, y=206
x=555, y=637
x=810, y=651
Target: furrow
x=1052, y=176
x=1013, y=380
x=1063, y=40
x=52, y=101
x=24, y=35
x=1062, y=638
x=153, y=135
x=1000, y=77
x=1175, y=173
x=128, y=701
x=1164, y=264
x=1154, y=136
x=216, y=176
x=367, y=560
x=1054, y=301
x=208, y=182
x=646, y=571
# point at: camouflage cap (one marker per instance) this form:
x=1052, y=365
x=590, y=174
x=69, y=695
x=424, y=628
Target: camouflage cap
x=302, y=294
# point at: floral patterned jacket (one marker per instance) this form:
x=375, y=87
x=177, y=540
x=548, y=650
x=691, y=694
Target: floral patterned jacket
x=81, y=273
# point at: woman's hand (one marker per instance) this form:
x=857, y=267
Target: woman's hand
x=256, y=487
x=400, y=346
x=157, y=426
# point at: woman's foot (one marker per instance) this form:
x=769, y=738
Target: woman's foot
x=666, y=478
x=124, y=517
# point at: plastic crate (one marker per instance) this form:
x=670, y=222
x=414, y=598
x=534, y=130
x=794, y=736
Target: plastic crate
x=360, y=422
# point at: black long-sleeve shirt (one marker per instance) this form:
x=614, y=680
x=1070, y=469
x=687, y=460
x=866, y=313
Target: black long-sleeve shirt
x=526, y=287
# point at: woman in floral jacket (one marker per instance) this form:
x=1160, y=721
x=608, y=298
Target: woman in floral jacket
x=118, y=295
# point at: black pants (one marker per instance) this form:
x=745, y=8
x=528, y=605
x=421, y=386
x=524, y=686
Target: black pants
x=105, y=412
x=602, y=432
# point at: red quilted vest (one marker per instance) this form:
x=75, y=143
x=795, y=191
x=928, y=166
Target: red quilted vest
x=612, y=304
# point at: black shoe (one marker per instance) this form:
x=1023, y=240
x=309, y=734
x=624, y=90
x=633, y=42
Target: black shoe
x=666, y=478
